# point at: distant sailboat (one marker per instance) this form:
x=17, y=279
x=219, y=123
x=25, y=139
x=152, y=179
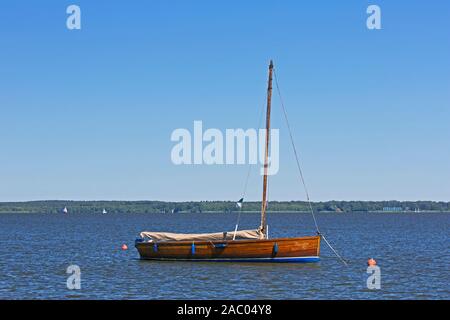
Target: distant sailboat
x=65, y=210
x=104, y=211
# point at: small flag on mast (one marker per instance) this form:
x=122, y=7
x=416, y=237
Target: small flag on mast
x=239, y=203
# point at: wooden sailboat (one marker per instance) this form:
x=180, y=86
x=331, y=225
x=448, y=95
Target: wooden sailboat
x=238, y=246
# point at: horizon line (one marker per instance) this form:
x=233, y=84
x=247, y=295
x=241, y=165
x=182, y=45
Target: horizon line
x=180, y=201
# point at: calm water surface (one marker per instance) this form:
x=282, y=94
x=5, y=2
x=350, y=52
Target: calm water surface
x=35, y=250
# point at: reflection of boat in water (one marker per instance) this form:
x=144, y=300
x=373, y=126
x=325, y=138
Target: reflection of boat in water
x=242, y=245
x=65, y=210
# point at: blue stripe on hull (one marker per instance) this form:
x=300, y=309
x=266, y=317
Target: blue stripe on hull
x=277, y=260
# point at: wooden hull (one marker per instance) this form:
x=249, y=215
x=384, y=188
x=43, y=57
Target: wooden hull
x=305, y=249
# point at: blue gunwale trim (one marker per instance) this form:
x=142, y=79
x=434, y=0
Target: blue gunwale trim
x=277, y=260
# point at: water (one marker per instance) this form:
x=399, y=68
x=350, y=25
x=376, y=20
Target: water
x=411, y=249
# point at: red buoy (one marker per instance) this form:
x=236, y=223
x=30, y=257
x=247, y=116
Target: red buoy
x=124, y=247
x=371, y=262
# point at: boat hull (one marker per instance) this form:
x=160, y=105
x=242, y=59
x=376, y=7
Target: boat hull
x=304, y=249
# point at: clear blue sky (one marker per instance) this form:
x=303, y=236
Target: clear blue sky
x=88, y=114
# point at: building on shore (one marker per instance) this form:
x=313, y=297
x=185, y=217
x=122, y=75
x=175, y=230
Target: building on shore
x=392, y=209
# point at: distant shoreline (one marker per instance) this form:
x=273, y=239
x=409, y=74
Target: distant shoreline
x=244, y=212
x=55, y=206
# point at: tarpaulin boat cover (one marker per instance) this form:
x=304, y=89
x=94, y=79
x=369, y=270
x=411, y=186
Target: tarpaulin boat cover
x=167, y=236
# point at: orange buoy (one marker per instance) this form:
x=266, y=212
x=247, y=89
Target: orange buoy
x=371, y=262
x=124, y=247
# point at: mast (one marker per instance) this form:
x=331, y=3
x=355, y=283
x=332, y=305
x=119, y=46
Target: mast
x=266, y=155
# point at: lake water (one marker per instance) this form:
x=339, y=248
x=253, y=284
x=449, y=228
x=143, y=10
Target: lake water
x=411, y=249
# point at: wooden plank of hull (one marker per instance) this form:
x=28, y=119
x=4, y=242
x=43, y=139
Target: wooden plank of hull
x=282, y=249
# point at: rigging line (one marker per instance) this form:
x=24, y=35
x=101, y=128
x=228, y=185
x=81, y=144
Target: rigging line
x=246, y=179
x=295, y=153
x=300, y=170
x=250, y=165
x=267, y=207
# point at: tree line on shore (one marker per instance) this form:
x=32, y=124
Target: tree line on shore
x=56, y=206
